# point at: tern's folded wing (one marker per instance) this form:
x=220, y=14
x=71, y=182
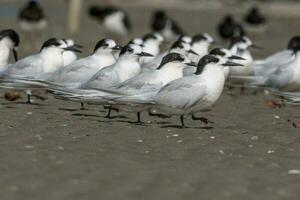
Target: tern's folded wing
x=106, y=77
x=273, y=62
x=183, y=93
x=30, y=66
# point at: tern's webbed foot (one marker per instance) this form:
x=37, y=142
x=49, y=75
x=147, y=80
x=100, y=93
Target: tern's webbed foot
x=202, y=119
x=182, y=121
x=159, y=115
x=82, y=107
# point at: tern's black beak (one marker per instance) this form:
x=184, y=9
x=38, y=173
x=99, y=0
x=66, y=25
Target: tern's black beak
x=72, y=48
x=193, y=64
x=192, y=52
x=117, y=47
x=295, y=51
x=232, y=64
x=214, y=42
x=145, y=54
x=255, y=47
x=236, y=58
x=15, y=54
x=78, y=46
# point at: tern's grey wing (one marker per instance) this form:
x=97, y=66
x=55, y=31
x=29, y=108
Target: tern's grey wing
x=273, y=62
x=30, y=66
x=79, y=71
x=182, y=93
x=154, y=63
x=189, y=70
x=280, y=78
x=293, y=97
x=143, y=81
x=106, y=77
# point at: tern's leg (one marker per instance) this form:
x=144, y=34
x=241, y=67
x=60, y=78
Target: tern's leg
x=28, y=93
x=242, y=90
x=282, y=101
x=138, y=114
x=28, y=99
x=108, y=113
x=158, y=115
x=82, y=106
x=182, y=121
x=202, y=119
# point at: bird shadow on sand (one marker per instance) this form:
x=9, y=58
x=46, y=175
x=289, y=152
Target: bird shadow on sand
x=187, y=127
x=85, y=115
x=11, y=104
x=69, y=109
x=129, y=122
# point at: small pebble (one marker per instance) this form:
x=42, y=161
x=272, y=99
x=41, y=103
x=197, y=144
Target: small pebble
x=175, y=135
x=212, y=137
x=29, y=113
x=179, y=141
x=13, y=188
x=294, y=171
x=29, y=147
x=254, y=137
x=59, y=162
x=276, y=116
x=39, y=137
x=74, y=181
x=270, y=151
x=60, y=148
x=139, y=140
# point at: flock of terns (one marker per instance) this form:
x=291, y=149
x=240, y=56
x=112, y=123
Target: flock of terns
x=138, y=77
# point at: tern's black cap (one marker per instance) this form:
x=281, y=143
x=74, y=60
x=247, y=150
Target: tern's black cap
x=198, y=37
x=217, y=52
x=294, y=43
x=51, y=42
x=126, y=49
x=177, y=44
x=236, y=40
x=101, y=43
x=171, y=57
x=149, y=36
x=207, y=59
x=13, y=35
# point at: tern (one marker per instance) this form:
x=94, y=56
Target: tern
x=195, y=93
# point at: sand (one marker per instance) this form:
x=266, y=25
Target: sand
x=54, y=150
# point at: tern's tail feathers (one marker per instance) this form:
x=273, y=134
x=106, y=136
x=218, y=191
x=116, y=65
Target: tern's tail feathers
x=18, y=82
x=82, y=95
x=293, y=97
x=22, y=84
x=142, y=98
x=250, y=81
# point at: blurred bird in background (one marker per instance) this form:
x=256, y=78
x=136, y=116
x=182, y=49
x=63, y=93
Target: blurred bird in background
x=166, y=26
x=114, y=21
x=32, y=21
x=228, y=28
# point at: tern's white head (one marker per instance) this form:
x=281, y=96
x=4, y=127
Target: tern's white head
x=9, y=40
x=69, y=55
x=174, y=60
x=133, y=51
x=105, y=46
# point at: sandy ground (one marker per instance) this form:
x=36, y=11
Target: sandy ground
x=53, y=150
